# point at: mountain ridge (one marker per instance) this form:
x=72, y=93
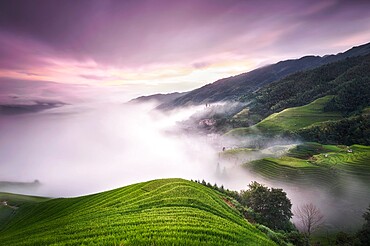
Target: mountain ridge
x=234, y=87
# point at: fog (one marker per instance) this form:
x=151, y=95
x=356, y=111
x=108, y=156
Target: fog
x=76, y=150
x=92, y=147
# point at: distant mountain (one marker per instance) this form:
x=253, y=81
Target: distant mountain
x=8, y=184
x=160, y=98
x=11, y=109
x=19, y=187
x=243, y=85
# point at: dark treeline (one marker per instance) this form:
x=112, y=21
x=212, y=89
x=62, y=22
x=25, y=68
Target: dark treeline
x=270, y=209
x=348, y=131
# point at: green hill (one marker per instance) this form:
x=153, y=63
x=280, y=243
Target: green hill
x=346, y=79
x=319, y=164
x=9, y=204
x=159, y=212
x=292, y=119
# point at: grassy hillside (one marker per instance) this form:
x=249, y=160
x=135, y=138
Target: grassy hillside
x=313, y=162
x=9, y=204
x=160, y=212
x=292, y=119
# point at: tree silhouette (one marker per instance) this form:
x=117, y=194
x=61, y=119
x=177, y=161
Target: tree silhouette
x=310, y=218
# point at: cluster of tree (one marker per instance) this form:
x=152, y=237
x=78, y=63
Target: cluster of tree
x=348, y=131
x=231, y=193
x=270, y=209
x=347, y=79
x=267, y=206
x=271, y=205
x=352, y=95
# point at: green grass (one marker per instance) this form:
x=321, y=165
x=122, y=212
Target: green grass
x=357, y=162
x=237, y=151
x=312, y=162
x=159, y=212
x=291, y=119
x=290, y=162
x=15, y=201
x=18, y=200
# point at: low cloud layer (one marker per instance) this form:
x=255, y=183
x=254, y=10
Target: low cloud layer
x=76, y=150
x=86, y=148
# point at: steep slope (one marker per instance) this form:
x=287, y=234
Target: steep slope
x=348, y=80
x=291, y=119
x=160, y=212
x=244, y=84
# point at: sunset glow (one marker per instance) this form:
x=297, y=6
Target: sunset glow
x=168, y=45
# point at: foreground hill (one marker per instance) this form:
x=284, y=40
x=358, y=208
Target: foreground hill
x=9, y=204
x=245, y=84
x=160, y=212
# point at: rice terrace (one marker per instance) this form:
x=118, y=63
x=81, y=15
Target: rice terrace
x=199, y=122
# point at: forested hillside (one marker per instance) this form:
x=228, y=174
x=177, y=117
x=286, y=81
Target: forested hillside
x=347, y=80
x=243, y=85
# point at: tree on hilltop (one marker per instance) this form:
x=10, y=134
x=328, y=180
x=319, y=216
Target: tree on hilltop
x=271, y=204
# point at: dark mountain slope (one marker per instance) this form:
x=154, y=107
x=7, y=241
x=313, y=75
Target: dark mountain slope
x=233, y=88
x=348, y=80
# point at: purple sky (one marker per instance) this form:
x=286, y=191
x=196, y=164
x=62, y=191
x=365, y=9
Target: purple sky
x=159, y=45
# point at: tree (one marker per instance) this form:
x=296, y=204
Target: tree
x=272, y=205
x=310, y=218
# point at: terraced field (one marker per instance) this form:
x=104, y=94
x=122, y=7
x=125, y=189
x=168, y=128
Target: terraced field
x=325, y=165
x=292, y=171
x=291, y=119
x=160, y=212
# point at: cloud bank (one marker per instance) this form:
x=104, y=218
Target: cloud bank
x=170, y=45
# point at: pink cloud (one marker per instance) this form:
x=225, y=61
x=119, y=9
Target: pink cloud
x=104, y=41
